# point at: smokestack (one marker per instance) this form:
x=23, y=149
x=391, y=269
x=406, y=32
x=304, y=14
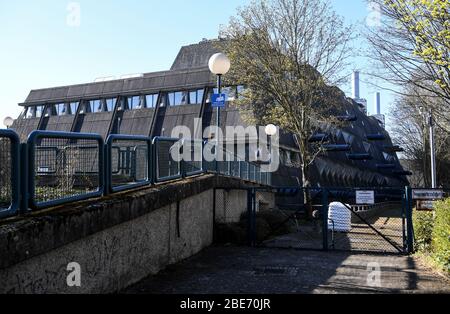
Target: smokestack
x=378, y=103
x=355, y=79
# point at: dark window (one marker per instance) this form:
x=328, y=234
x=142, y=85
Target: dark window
x=30, y=112
x=178, y=98
x=185, y=98
x=151, y=100
x=74, y=107
x=87, y=107
x=170, y=101
x=110, y=104
x=95, y=105
x=60, y=109
x=39, y=111
x=134, y=102
x=196, y=97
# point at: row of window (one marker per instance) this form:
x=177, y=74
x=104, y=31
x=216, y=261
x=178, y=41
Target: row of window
x=177, y=98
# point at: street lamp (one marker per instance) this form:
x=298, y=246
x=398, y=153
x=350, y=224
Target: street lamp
x=8, y=122
x=219, y=64
x=271, y=131
x=433, y=153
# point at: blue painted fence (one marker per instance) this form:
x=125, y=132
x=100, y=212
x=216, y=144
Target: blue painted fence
x=56, y=168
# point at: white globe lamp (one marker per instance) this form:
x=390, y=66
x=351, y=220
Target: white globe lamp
x=8, y=122
x=271, y=130
x=219, y=64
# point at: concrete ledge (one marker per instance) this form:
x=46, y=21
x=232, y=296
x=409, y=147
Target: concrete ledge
x=32, y=235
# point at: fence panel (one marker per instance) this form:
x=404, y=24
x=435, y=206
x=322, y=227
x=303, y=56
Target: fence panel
x=129, y=163
x=9, y=173
x=165, y=166
x=193, y=153
x=64, y=167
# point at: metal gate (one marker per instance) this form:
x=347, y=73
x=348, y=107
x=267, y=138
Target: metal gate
x=333, y=220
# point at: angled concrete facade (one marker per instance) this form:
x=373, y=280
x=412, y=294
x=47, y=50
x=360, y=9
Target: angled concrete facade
x=154, y=103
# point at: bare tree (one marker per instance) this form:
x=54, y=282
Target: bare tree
x=288, y=53
x=410, y=130
x=411, y=48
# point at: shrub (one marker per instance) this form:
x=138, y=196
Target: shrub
x=423, y=230
x=441, y=234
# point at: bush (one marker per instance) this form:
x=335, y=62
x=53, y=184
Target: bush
x=423, y=230
x=441, y=234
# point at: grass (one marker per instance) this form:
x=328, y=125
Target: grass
x=429, y=261
x=432, y=236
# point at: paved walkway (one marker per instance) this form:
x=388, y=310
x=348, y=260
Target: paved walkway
x=237, y=270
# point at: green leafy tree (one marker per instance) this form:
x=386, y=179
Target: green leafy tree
x=412, y=47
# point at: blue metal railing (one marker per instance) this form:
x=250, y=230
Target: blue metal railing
x=56, y=168
x=77, y=168
x=167, y=168
x=128, y=162
x=9, y=173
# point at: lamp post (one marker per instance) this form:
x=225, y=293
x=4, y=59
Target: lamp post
x=433, y=153
x=219, y=64
x=428, y=116
x=271, y=130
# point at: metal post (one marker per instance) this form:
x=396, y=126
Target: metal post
x=219, y=90
x=432, y=151
x=325, y=219
x=24, y=175
x=409, y=220
x=251, y=213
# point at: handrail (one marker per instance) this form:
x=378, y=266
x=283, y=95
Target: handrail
x=14, y=201
x=65, y=196
x=135, y=183
x=80, y=171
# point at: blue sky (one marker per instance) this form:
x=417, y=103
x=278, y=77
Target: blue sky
x=39, y=49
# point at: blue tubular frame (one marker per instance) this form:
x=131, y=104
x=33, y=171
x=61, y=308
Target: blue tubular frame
x=155, y=145
x=15, y=173
x=202, y=167
x=32, y=139
x=23, y=167
x=109, y=174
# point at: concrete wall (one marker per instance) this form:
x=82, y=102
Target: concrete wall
x=117, y=240
x=119, y=256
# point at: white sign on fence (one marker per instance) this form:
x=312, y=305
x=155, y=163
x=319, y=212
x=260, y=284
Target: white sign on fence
x=365, y=197
x=427, y=195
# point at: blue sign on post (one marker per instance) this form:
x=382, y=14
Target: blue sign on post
x=218, y=100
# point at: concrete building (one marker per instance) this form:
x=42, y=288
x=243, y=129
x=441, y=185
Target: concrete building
x=152, y=104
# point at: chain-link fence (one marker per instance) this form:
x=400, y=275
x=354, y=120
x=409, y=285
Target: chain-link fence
x=193, y=157
x=167, y=168
x=9, y=172
x=59, y=167
x=64, y=167
x=371, y=228
x=128, y=162
x=5, y=173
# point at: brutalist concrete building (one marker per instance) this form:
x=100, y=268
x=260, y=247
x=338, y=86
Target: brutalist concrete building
x=152, y=104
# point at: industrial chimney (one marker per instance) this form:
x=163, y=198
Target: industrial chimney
x=378, y=103
x=355, y=80
x=356, y=93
